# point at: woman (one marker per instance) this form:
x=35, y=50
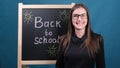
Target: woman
x=80, y=47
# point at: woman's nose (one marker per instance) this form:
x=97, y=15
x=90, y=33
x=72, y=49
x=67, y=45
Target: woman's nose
x=79, y=18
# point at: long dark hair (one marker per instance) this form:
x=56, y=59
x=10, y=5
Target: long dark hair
x=90, y=42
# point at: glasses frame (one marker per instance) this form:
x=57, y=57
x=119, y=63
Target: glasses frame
x=82, y=16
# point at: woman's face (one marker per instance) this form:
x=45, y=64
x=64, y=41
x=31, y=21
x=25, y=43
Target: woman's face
x=79, y=18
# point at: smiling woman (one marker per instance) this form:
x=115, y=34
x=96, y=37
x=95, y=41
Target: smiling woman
x=80, y=47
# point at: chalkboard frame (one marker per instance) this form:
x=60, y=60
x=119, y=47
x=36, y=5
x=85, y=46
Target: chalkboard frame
x=20, y=7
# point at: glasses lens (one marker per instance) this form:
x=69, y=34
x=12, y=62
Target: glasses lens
x=83, y=16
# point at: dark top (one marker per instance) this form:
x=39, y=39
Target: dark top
x=76, y=57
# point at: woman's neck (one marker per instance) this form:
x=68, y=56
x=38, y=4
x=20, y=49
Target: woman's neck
x=80, y=33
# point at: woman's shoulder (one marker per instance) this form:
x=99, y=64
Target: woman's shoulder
x=98, y=36
x=99, y=39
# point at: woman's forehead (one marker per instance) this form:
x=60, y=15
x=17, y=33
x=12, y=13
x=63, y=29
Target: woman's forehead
x=79, y=10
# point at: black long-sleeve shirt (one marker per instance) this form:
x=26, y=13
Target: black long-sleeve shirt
x=76, y=57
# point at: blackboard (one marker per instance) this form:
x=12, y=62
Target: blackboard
x=41, y=30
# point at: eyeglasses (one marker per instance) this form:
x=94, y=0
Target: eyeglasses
x=76, y=16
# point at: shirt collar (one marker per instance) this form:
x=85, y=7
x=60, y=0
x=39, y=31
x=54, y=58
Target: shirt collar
x=75, y=39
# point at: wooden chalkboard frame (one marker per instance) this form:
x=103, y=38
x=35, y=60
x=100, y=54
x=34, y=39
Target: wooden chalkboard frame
x=32, y=62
